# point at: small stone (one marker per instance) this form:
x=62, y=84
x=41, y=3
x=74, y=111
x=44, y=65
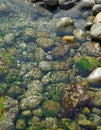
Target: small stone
x=45, y=65
x=70, y=39
x=27, y=113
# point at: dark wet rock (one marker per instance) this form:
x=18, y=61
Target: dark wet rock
x=94, y=79
x=9, y=111
x=96, y=9
x=73, y=97
x=52, y=4
x=95, y=31
x=66, y=4
x=84, y=5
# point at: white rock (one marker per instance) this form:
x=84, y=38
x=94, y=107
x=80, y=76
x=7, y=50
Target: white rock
x=95, y=78
x=95, y=31
x=97, y=18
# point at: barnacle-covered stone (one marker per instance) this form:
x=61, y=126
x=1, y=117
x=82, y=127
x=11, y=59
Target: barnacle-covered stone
x=73, y=97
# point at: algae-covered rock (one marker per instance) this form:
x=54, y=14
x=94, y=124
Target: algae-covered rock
x=45, y=43
x=20, y=124
x=6, y=61
x=85, y=64
x=31, y=101
x=50, y=123
x=51, y=108
x=1, y=107
x=35, y=123
x=8, y=113
x=69, y=124
x=87, y=124
x=73, y=97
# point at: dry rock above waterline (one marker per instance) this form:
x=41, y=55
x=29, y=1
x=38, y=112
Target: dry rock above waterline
x=97, y=18
x=96, y=9
x=95, y=31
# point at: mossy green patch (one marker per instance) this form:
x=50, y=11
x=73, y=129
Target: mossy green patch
x=8, y=56
x=1, y=107
x=86, y=64
x=48, y=113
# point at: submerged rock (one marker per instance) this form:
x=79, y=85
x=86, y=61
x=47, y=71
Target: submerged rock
x=50, y=108
x=73, y=97
x=9, y=111
x=85, y=64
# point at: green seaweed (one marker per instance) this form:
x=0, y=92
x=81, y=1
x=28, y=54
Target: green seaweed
x=48, y=113
x=86, y=64
x=8, y=56
x=1, y=108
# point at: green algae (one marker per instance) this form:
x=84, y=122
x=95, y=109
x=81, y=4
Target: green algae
x=1, y=107
x=8, y=56
x=50, y=108
x=86, y=64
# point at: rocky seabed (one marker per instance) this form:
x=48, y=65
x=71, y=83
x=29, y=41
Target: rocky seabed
x=50, y=65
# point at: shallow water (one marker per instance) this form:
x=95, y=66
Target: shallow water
x=16, y=17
